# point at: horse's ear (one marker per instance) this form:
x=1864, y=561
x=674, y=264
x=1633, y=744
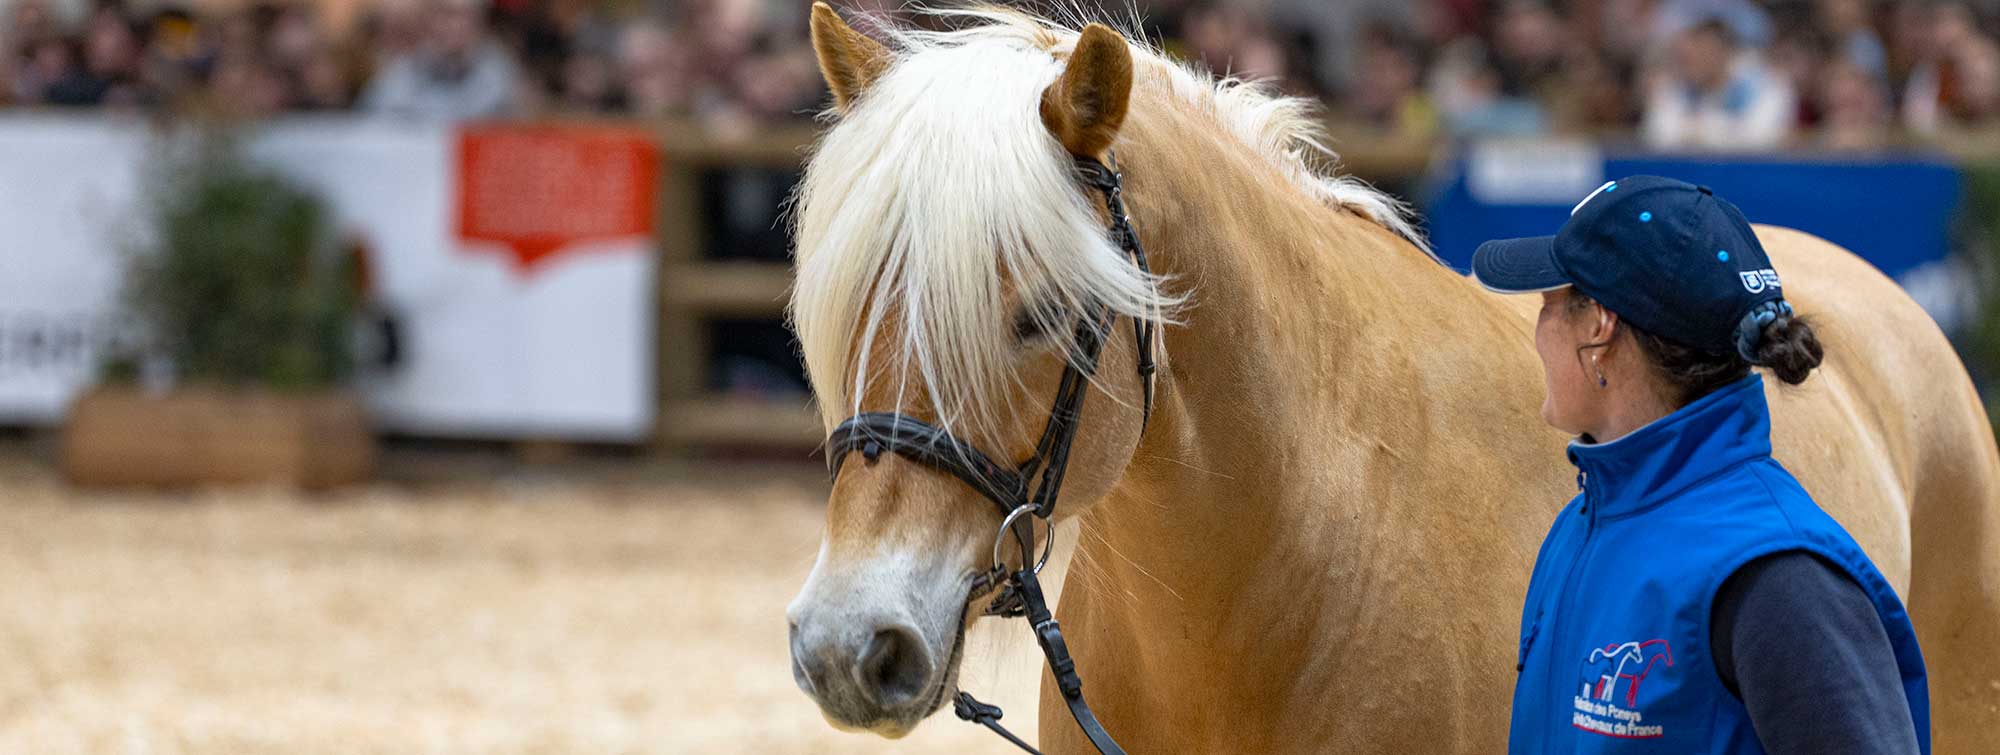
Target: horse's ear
x=848, y=59
x=1085, y=108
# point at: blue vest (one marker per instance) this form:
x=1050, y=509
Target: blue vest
x=1614, y=652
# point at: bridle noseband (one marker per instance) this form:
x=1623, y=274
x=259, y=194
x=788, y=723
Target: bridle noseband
x=1008, y=488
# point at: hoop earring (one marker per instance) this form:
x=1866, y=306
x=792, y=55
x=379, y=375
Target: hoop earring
x=1600, y=371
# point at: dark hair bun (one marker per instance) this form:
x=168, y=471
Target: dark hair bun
x=1789, y=349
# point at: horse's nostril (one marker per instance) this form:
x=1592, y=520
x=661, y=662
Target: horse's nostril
x=894, y=667
x=800, y=674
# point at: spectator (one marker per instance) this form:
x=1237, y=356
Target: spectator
x=1262, y=58
x=175, y=56
x=1718, y=74
x=655, y=75
x=1717, y=95
x=305, y=62
x=49, y=60
x=29, y=22
x=1477, y=101
x=320, y=82
x=1746, y=21
x=110, y=71
x=1389, y=92
x=1978, y=97
x=294, y=37
x=396, y=28
x=1909, y=37
x=388, y=30
x=1956, y=77
x=1527, y=40
x=1212, y=33
x=542, y=41
x=245, y=88
x=1628, y=28
x=730, y=64
x=590, y=84
x=457, y=73
x=1800, y=56
x=1333, y=32
x=1591, y=96
x=1847, y=24
x=776, y=86
x=1855, y=107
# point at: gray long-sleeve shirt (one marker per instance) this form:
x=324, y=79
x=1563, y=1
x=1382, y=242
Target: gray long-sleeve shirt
x=1801, y=645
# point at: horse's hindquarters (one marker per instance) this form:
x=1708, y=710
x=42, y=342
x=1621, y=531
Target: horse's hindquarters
x=1891, y=439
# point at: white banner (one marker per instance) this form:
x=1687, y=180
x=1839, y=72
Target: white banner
x=542, y=331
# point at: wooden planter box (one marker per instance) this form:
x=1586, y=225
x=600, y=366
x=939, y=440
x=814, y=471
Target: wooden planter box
x=123, y=436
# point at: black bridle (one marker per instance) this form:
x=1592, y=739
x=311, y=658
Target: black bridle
x=1009, y=489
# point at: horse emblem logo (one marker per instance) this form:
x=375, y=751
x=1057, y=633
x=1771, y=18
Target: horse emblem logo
x=1628, y=663
x=1599, y=709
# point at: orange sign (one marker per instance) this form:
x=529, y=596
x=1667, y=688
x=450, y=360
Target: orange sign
x=538, y=190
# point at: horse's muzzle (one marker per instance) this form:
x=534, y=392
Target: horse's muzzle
x=873, y=675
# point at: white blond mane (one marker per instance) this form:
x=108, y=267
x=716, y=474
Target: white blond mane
x=941, y=186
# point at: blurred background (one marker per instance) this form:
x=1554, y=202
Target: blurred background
x=410, y=375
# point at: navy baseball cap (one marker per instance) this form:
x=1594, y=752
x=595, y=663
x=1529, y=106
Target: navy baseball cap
x=1667, y=256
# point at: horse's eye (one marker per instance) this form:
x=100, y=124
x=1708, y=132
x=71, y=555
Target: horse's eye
x=1028, y=327
x=1032, y=324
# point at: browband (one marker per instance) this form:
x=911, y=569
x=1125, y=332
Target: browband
x=872, y=433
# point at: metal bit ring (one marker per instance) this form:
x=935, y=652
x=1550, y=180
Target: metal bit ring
x=1007, y=526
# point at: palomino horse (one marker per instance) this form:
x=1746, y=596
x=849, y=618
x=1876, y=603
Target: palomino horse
x=1321, y=540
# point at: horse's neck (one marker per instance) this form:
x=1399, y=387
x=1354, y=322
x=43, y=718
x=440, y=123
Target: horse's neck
x=1293, y=378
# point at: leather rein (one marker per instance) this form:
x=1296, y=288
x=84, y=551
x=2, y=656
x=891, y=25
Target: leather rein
x=1009, y=488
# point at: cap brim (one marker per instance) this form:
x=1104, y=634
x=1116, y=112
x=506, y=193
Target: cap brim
x=1518, y=266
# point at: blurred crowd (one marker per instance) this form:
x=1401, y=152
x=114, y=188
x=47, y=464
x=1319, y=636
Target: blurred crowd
x=1707, y=74
x=726, y=60
x=1695, y=74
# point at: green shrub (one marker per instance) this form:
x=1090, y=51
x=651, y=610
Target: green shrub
x=241, y=281
x=1978, y=238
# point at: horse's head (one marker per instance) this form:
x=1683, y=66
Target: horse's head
x=946, y=250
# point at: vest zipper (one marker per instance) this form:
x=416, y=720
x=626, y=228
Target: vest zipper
x=1563, y=609
x=1528, y=641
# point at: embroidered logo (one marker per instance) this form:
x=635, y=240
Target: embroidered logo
x=1613, y=675
x=1755, y=281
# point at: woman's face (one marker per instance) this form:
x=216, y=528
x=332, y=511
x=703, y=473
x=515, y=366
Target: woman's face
x=1572, y=399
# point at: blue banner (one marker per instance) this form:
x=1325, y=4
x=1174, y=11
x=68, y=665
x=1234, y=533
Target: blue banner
x=1895, y=211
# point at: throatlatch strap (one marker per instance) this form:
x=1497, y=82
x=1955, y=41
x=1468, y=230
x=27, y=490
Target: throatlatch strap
x=1108, y=181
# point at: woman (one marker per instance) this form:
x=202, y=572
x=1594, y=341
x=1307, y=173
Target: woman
x=1692, y=598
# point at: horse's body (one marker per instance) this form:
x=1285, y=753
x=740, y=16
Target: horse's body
x=1322, y=540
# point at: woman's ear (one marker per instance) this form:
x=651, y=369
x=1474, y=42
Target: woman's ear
x=1603, y=324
